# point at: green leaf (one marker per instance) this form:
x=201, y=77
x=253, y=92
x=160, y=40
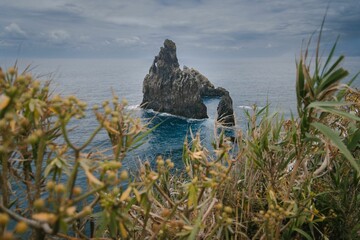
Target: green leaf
x=331, y=79
x=327, y=104
x=263, y=109
x=300, y=82
x=354, y=141
x=339, y=113
x=333, y=67
x=183, y=233
x=335, y=139
x=192, y=195
x=303, y=233
x=112, y=224
x=138, y=141
x=330, y=56
x=102, y=222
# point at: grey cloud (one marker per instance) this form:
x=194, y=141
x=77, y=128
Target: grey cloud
x=236, y=27
x=14, y=31
x=129, y=41
x=59, y=37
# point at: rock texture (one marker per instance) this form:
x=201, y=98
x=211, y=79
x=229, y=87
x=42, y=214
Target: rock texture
x=167, y=88
x=225, y=110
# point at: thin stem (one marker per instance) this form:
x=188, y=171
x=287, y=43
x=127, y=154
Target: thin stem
x=164, y=195
x=4, y=175
x=78, y=199
x=39, y=161
x=91, y=137
x=66, y=137
x=74, y=173
x=32, y=223
x=141, y=223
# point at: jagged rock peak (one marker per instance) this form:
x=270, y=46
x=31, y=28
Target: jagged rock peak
x=166, y=61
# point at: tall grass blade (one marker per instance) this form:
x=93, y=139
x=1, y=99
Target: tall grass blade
x=330, y=56
x=299, y=84
x=339, y=113
x=317, y=59
x=328, y=104
x=334, y=66
x=333, y=78
x=335, y=139
x=354, y=141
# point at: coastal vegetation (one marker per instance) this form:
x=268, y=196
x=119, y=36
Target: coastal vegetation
x=280, y=178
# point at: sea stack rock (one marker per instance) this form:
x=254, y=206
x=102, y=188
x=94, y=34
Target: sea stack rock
x=225, y=110
x=169, y=89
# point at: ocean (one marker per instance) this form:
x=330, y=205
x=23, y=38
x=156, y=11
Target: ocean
x=250, y=81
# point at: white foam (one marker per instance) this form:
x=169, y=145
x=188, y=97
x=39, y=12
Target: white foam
x=244, y=107
x=164, y=114
x=133, y=107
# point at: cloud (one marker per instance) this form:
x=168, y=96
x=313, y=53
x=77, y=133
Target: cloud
x=59, y=37
x=5, y=44
x=14, y=31
x=200, y=27
x=129, y=41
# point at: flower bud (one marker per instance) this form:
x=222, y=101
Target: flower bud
x=32, y=139
x=165, y=212
x=4, y=218
x=50, y=185
x=60, y=188
x=77, y=191
x=87, y=210
x=219, y=206
x=107, y=110
x=96, y=107
x=21, y=227
x=160, y=162
x=11, y=70
x=124, y=175
x=110, y=175
x=171, y=165
x=39, y=203
x=229, y=221
x=228, y=209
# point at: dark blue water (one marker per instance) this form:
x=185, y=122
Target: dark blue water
x=250, y=81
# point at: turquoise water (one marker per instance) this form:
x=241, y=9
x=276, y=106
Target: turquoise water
x=249, y=81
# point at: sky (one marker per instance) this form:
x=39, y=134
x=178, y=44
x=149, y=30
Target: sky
x=200, y=28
